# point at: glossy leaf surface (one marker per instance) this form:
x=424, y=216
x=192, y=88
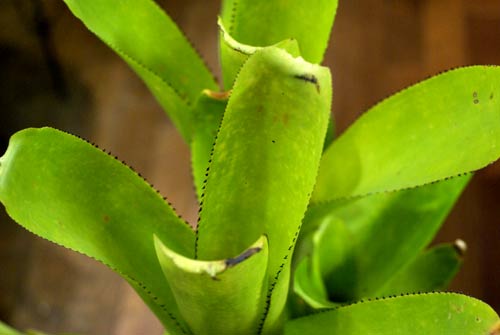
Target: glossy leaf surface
x=433, y=270
x=430, y=314
x=273, y=127
x=151, y=43
x=439, y=128
x=71, y=193
x=219, y=297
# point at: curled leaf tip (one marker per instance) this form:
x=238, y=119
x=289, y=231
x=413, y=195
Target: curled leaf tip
x=211, y=268
x=232, y=43
x=460, y=247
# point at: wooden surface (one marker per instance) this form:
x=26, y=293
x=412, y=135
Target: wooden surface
x=378, y=47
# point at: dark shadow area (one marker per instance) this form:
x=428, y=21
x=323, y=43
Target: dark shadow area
x=34, y=92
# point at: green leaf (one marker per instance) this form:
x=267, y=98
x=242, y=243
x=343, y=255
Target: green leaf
x=273, y=127
x=219, y=297
x=332, y=241
x=430, y=271
x=309, y=287
x=266, y=22
x=388, y=231
x=328, y=247
x=69, y=192
x=209, y=110
x=442, y=127
x=234, y=54
x=330, y=134
x=151, y=43
x=429, y=314
x=433, y=270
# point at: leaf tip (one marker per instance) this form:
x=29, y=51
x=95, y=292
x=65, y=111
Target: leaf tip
x=222, y=96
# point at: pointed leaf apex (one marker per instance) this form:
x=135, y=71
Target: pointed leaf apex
x=232, y=43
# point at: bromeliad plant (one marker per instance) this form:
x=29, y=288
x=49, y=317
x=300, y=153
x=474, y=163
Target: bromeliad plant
x=290, y=223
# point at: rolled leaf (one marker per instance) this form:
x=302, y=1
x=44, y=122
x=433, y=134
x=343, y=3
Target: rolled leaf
x=266, y=22
x=433, y=270
x=329, y=245
x=69, y=192
x=309, y=287
x=388, y=231
x=218, y=297
x=151, y=43
x=264, y=163
x=234, y=54
x=430, y=314
x=332, y=241
x=442, y=127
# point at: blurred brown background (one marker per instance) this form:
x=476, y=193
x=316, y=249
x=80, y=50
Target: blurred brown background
x=54, y=72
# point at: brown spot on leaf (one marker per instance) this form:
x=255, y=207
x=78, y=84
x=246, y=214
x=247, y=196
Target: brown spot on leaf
x=105, y=218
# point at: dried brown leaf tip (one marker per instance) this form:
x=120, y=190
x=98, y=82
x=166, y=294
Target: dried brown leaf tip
x=495, y=330
x=217, y=95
